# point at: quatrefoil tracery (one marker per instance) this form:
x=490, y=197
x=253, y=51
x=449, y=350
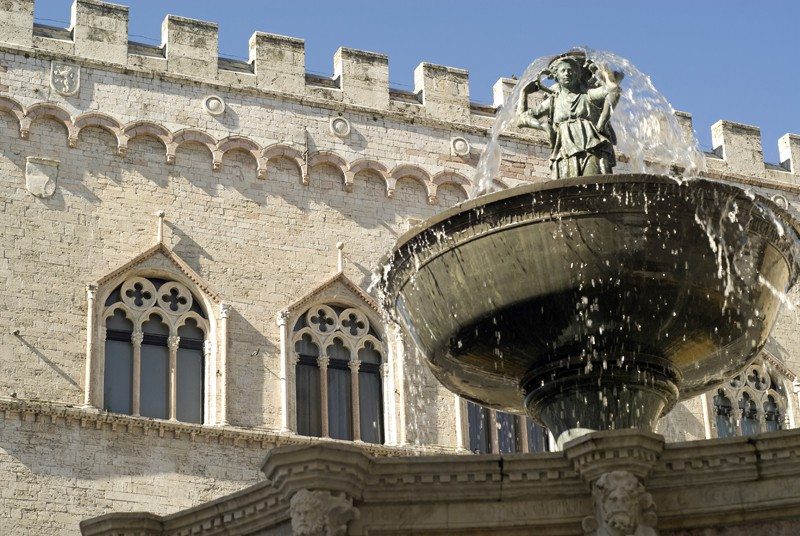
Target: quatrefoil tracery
x=174, y=297
x=138, y=293
x=335, y=332
x=172, y=302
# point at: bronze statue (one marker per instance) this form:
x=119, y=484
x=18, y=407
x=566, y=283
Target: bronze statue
x=578, y=110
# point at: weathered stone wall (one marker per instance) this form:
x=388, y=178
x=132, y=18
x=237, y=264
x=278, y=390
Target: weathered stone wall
x=55, y=473
x=135, y=139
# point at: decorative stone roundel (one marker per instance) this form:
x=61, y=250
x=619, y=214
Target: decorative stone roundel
x=322, y=319
x=459, y=146
x=354, y=323
x=214, y=105
x=138, y=293
x=174, y=297
x=340, y=127
x=781, y=201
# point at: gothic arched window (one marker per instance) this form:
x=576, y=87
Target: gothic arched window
x=492, y=431
x=750, y=403
x=155, y=350
x=339, y=369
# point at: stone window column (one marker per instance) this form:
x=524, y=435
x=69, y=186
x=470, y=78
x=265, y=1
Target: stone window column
x=287, y=368
x=224, y=311
x=388, y=402
x=461, y=425
x=136, y=340
x=101, y=365
x=210, y=384
x=355, y=365
x=323, y=361
x=89, y=384
x=172, y=343
x=522, y=434
x=493, y=432
x=399, y=377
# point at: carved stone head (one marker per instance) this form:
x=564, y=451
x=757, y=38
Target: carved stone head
x=623, y=507
x=320, y=513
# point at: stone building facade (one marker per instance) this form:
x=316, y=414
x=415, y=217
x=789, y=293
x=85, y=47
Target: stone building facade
x=172, y=207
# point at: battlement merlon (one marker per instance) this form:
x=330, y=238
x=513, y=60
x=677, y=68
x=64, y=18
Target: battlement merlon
x=445, y=91
x=279, y=62
x=98, y=33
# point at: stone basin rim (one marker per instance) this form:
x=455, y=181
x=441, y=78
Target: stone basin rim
x=587, y=181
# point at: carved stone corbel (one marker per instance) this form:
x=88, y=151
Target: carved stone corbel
x=320, y=513
x=622, y=507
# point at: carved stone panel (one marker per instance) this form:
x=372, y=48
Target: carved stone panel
x=41, y=175
x=65, y=79
x=320, y=513
x=622, y=507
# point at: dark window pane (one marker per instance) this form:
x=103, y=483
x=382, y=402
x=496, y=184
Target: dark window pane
x=119, y=322
x=723, y=418
x=772, y=415
x=338, y=351
x=369, y=396
x=154, y=326
x=339, y=404
x=306, y=347
x=308, y=400
x=118, y=377
x=190, y=330
x=154, y=391
x=189, y=385
x=118, y=374
x=537, y=437
x=369, y=354
x=750, y=424
x=506, y=432
x=479, y=433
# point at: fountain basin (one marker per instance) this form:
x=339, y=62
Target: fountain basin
x=593, y=303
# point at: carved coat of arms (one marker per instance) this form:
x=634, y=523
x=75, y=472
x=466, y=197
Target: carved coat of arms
x=41, y=175
x=65, y=79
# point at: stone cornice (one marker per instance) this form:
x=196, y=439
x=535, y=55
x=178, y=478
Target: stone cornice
x=88, y=417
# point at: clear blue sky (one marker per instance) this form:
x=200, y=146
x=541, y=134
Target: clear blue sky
x=735, y=59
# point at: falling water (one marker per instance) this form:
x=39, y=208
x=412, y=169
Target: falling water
x=649, y=137
x=649, y=140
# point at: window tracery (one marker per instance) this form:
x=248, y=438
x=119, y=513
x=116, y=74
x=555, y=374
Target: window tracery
x=156, y=342
x=339, y=370
x=755, y=401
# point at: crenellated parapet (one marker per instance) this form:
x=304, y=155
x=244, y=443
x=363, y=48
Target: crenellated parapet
x=98, y=36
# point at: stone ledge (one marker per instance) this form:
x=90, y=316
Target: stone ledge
x=88, y=417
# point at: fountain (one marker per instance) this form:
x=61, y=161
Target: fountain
x=593, y=301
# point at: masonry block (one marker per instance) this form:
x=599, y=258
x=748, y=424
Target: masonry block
x=445, y=91
x=685, y=122
x=740, y=147
x=100, y=31
x=192, y=46
x=501, y=90
x=789, y=152
x=364, y=77
x=279, y=61
x=17, y=26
